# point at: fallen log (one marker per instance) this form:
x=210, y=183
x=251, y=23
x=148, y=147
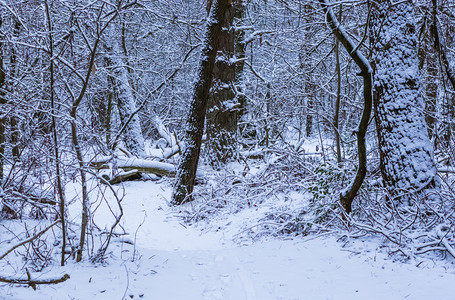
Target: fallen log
x=123, y=176
x=141, y=165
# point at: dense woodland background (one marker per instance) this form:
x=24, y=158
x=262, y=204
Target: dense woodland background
x=90, y=85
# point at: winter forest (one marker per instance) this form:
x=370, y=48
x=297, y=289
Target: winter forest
x=227, y=149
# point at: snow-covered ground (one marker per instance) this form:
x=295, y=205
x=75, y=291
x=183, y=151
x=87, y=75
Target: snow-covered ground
x=172, y=260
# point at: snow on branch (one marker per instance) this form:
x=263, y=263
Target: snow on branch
x=138, y=165
x=33, y=282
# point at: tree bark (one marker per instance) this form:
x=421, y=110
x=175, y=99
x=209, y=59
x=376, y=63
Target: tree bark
x=222, y=106
x=239, y=52
x=186, y=172
x=406, y=153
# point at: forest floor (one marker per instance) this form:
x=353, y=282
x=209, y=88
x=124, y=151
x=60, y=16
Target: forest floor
x=171, y=259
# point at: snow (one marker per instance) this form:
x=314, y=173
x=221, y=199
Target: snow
x=172, y=260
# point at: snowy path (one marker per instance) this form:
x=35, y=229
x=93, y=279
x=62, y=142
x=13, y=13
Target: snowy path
x=267, y=271
x=175, y=263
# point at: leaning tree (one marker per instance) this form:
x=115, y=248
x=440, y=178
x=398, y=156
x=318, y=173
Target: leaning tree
x=186, y=172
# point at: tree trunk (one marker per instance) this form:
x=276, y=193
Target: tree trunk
x=15, y=133
x=406, y=153
x=239, y=53
x=441, y=48
x=2, y=103
x=110, y=104
x=126, y=102
x=428, y=66
x=59, y=184
x=336, y=118
x=222, y=106
x=431, y=93
x=186, y=172
x=310, y=91
x=306, y=66
x=348, y=194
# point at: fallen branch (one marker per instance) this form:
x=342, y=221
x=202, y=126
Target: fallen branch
x=442, y=234
x=33, y=282
x=169, y=152
x=447, y=169
x=29, y=239
x=123, y=176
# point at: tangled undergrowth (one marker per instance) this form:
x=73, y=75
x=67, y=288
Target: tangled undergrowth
x=294, y=194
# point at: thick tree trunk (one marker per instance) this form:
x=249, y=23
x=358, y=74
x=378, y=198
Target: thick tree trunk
x=126, y=102
x=406, y=153
x=186, y=172
x=222, y=106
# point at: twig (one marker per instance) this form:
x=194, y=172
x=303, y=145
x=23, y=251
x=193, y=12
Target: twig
x=444, y=240
x=29, y=239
